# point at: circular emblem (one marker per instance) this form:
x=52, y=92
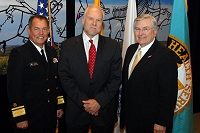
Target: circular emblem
x=184, y=86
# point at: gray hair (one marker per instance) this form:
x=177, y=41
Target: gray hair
x=147, y=16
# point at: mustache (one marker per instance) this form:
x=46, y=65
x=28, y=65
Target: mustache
x=93, y=27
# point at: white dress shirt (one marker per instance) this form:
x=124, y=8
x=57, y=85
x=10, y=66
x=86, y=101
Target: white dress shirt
x=87, y=43
x=144, y=50
x=39, y=50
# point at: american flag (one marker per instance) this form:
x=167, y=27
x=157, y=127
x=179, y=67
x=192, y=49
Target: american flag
x=42, y=9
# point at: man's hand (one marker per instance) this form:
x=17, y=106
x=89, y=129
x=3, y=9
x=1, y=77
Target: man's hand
x=96, y=113
x=60, y=113
x=91, y=106
x=159, y=129
x=22, y=125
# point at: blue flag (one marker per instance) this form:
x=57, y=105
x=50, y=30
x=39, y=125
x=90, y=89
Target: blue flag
x=42, y=9
x=178, y=41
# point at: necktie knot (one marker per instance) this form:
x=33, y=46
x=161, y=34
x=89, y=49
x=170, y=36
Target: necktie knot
x=42, y=51
x=91, y=41
x=139, y=52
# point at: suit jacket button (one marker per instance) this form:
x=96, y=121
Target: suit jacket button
x=48, y=90
x=48, y=101
x=14, y=104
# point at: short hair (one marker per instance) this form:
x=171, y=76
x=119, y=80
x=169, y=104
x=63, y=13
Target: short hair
x=93, y=6
x=147, y=16
x=30, y=21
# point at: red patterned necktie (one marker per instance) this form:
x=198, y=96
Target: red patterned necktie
x=92, y=58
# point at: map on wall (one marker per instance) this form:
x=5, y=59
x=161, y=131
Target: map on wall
x=115, y=15
x=14, y=16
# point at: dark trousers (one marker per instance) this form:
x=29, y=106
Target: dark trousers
x=52, y=130
x=144, y=130
x=94, y=129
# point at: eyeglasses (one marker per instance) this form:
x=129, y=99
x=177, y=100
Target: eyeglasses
x=145, y=29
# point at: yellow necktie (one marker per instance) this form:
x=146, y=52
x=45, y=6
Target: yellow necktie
x=137, y=59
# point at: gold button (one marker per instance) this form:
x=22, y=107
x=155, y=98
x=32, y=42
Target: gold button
x=56, y=88
x=47, y=79
x=48, y=101
x=14, y=104
x=55, y=77
x=48, y=90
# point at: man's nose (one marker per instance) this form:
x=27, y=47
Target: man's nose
x=40, y=31
x=94, y=22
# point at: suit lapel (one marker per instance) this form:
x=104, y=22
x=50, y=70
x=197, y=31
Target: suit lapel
x=129, y=55
x=145, y=59
x=80, y=50
x=99, y=56
x=35, y=53
x=36, y=56
x=49, y=58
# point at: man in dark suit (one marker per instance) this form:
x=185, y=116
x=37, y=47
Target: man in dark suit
x=35, y=98
x=149, y=90
x=91, y=95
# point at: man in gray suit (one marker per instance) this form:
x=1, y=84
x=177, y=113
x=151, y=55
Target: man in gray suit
x=92, y=93
x=149, y=90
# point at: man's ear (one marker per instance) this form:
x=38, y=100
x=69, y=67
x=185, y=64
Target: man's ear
x=28, y=30
x=83, y=20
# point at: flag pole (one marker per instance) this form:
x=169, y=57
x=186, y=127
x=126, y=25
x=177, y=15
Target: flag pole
x=50, y=21
x=97, y=3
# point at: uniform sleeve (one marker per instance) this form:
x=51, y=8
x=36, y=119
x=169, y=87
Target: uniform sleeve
x=15, y=88
x=60, y=97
